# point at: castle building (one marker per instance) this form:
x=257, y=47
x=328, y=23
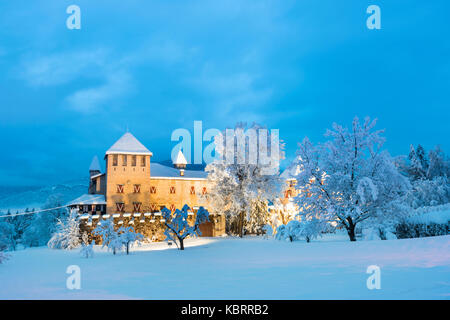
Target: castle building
x=134, y=190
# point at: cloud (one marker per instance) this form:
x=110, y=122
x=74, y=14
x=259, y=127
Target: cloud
x=92, y=99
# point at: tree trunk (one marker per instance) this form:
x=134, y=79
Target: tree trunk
x=241, y=224
x=351, y=229
x=181, y=243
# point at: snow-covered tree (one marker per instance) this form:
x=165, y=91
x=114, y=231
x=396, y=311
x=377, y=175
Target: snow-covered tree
x=67, y=234
x=42, y=225
x=128, y=237
x=244, y=170
x=7, y=235
x=177, y=226
x=87, y=249
x=416, y=169
x=110, y=237
x=349, y=178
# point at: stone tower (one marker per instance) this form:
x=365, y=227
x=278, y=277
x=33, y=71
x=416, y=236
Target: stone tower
x=127, y=176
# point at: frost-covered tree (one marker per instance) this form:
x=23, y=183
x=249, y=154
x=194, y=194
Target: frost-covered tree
x=7, y=235
x=87, y=249
x=110, y=237
x=42, y=225
x=128, y=237
x=67, y=234
x=349, y=178
x=259, y=216
x=432, y=186
x=416, y=169
x=177, y=225
x=245, y=169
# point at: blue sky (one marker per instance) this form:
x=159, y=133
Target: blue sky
x=155, y=66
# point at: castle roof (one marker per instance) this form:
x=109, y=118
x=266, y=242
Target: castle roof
x=159, y=171
x=128, y=144
x=95, y=165
x=180, y=159
x=88, y=199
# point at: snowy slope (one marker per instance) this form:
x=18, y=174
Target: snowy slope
x=230, y=268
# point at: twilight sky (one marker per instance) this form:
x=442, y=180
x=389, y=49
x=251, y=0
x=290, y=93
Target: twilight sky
x=155, y=66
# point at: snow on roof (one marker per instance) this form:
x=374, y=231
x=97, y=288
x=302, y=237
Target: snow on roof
x=88, y=199
x=95, y=165
x=97, y=175
x=128, y=144
x=160, y=171
x=290, y=173
x=180, y=158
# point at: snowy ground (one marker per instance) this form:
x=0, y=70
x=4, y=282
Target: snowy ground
x=230, y=268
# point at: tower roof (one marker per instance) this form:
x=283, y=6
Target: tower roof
x=180, y=159
x=95, y=165
x=128, y=144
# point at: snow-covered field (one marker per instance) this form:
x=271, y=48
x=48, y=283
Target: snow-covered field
x=231, y=268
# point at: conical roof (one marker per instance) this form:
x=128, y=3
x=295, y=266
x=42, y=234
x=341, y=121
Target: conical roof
x=180, y=159
x=128, y=144
x=95, y=165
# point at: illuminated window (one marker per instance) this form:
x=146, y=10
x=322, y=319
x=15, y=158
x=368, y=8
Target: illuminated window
x=120, y=188
x=137, y=188
x=115, y=158
x=137, y=206
x=172, y=207
x=152, y=189
x=120, y=206
x=204, y=191
x=192, y=190
x=172, y=190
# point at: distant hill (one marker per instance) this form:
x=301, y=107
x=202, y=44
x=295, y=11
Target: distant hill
x=20, y=198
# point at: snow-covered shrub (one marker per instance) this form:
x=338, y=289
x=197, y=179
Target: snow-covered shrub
x=87, y=249
x=289, y=232
x=110, y=237
x=128, y=237
x=370, y=234
x=3, y=257
x=268, y=231
x=177, y=226
x=312, y=228
x=67, y=234
x=425, y=222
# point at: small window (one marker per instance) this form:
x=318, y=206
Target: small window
x=172, y=207
x=288, y=194
x=172, y=190
x=137, y=188
x=120, y=188
x=137, y=206
x=133, y=161
x=152, y=189
x=143, y=161
x=124, y=160
x=85, y=209
x=120, y=206
x=153, y=207
x=192, y=190
x=115, y=159
x=204, y=191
